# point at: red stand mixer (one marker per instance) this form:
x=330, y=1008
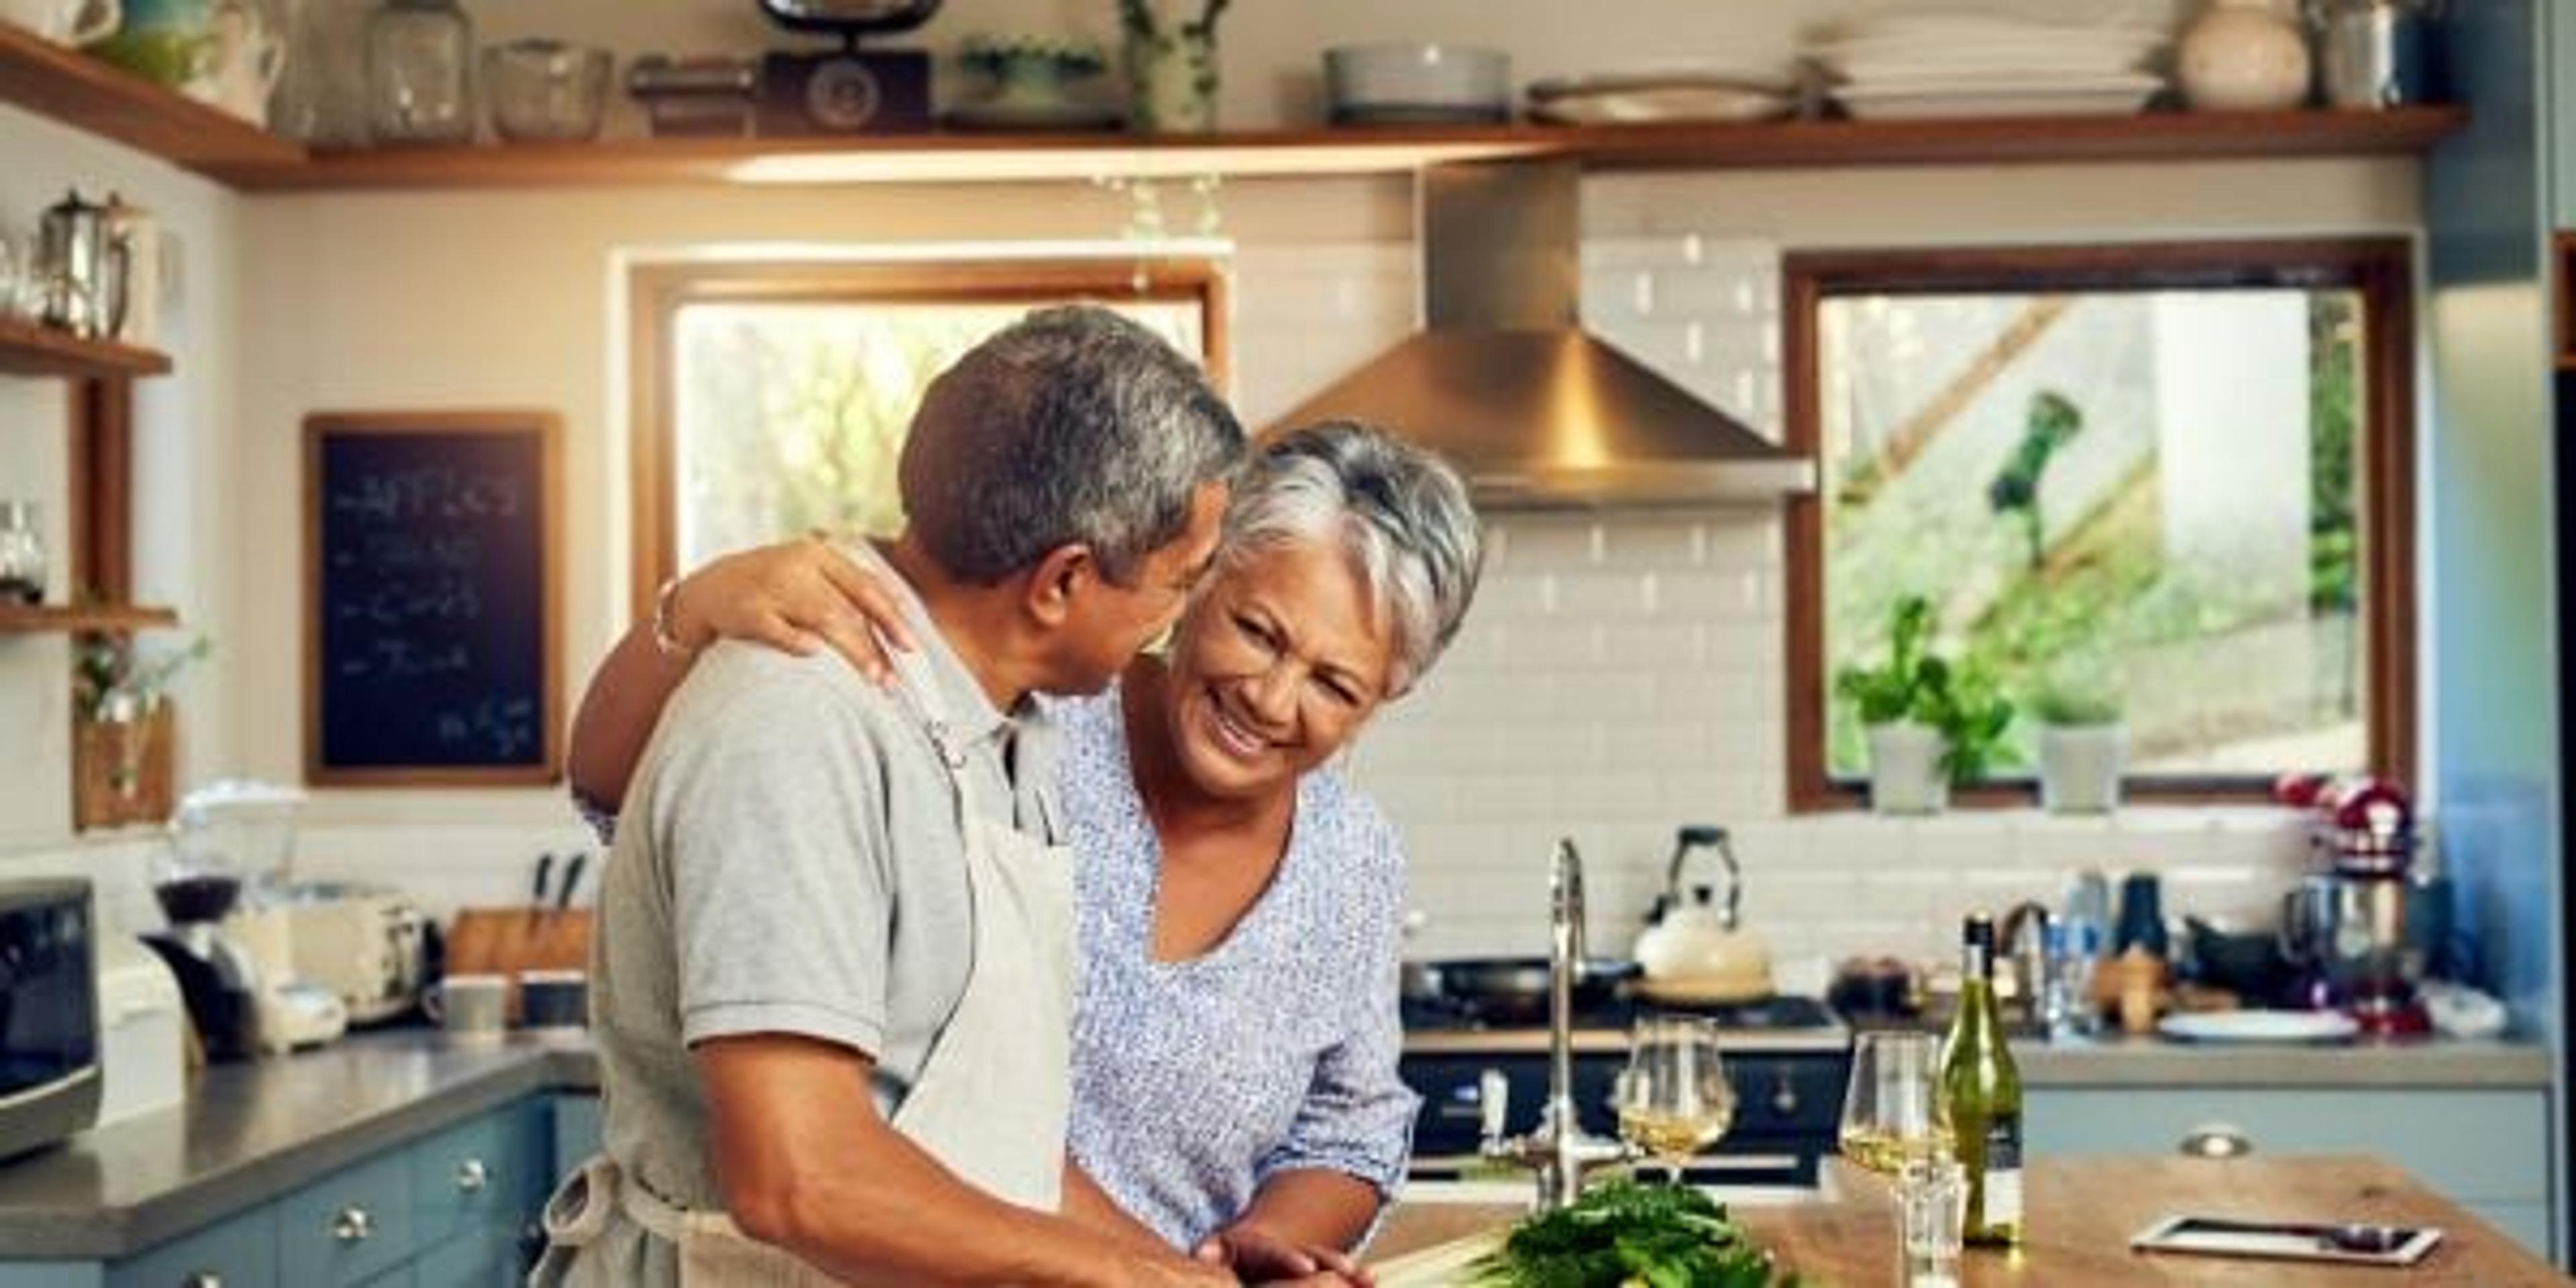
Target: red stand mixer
x=2365, y=927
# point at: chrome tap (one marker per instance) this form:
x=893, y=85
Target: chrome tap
x=1556, y=1150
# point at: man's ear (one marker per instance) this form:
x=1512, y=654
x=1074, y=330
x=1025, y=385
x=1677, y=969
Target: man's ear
x=1060, y=575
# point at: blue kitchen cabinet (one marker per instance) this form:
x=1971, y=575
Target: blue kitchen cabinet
x=446, y=1211
x=240, y=1252
x=349, y=1226
x=576, y=1131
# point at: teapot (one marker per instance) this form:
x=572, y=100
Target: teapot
x=1699, y=952
x=64, y=22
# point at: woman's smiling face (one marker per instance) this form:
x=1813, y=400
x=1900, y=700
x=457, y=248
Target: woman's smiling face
x=1282, y=659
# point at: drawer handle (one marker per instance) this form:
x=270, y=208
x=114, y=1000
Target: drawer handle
x=472, y=1176
x=353, y=1225
x=1784, y=1097
x=2217, y=1140
x=203, y=1279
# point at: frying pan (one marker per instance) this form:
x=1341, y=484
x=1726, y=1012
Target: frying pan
x=1511, y=990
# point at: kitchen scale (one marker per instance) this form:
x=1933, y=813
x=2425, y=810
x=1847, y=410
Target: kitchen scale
x=879, y=91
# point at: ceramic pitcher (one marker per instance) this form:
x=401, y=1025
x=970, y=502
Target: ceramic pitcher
x=247, y=61
x=168, y=41
x=64, y=22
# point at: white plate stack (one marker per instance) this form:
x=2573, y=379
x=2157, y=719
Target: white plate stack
x=1675, y=92
x=1924, y=66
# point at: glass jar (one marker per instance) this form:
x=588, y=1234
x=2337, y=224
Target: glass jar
x=420, y=73
x=22, y=554
x=322, y=101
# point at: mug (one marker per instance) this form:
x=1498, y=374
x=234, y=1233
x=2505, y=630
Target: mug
x=64, y=22
x=554, y=999
x=470, y=1007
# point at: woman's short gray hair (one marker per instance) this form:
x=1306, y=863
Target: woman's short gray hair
x=1398, y=511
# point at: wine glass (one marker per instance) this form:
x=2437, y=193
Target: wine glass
x=1893, y=1110
x=1673, y=1098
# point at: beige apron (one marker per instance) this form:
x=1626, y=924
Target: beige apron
x=994, y=1093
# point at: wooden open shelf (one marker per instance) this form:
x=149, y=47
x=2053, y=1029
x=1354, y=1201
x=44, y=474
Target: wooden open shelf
x=30, y=350
x=82, y=92
x=990, y=157
x=103, y=100
x=43, y=619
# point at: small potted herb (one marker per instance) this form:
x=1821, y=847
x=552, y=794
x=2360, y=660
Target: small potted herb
x=2083, y=741
x=1930, y=722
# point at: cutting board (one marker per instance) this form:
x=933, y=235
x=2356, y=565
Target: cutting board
x=1442, y=1265
x=506, y=941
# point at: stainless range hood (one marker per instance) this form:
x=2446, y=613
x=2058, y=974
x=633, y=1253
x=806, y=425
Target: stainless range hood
x=1503, y=381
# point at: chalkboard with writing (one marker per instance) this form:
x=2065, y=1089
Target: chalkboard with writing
x=432, y=639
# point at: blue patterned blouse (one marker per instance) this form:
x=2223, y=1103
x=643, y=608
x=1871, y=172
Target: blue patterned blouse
x=1195, y=1081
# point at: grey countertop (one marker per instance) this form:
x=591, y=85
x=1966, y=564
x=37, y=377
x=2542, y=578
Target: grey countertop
x=2151, y=1062
x=251, y=1132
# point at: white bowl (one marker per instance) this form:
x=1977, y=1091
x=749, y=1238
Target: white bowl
x=1417, y=82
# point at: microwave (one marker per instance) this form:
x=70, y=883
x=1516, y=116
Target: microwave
x=49, y=1062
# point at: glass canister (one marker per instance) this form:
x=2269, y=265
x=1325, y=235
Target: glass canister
x=420, y=73
x=22, y=554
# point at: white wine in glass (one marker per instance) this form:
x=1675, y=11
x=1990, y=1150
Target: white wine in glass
x=1894, y=1109
x=1673, y=1098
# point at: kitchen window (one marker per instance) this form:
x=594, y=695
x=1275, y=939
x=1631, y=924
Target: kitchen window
x=2173, y=482
x=771, y=398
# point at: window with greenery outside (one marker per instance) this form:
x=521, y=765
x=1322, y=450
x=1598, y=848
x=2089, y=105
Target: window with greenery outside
x=2155, y=491
x=790, y=415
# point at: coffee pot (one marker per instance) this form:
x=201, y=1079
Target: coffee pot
x=1698, y=951
x=80, y=269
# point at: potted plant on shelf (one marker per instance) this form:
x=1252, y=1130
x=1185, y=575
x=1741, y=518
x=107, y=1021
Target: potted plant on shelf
x=122, y=735
x=1171, y=63
x=2083, y=741
x=1930, y=722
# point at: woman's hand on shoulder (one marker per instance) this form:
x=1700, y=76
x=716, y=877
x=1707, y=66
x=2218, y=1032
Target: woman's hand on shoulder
x=796, y=596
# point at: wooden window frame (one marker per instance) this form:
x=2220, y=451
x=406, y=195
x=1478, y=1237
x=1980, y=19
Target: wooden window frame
x=657, y=292
x=2380, y=269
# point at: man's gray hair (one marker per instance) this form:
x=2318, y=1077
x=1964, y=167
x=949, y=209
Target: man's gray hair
x=1398, y=511
x=1071, y=426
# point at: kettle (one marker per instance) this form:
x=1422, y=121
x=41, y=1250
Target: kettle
x=1699, y=952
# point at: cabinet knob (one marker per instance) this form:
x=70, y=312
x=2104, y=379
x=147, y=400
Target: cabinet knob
x=353, y=1225
x=203, y=1279
x=1784, y=1096
x=472, y=1176
x=2217, y=1140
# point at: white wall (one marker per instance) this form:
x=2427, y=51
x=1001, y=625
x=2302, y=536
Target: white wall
x=479, y=299
x=185, y=426
x=460, y=300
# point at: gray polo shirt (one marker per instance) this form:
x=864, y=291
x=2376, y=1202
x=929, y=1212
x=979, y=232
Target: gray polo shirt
x=789, y=861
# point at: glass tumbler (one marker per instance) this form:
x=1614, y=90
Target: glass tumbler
x=420, y=73
x=1931, y=1202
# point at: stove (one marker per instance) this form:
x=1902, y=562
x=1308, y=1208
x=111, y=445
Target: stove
x=1789, y=1058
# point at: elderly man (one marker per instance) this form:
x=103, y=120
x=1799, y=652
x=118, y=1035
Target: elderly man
x=833, y=980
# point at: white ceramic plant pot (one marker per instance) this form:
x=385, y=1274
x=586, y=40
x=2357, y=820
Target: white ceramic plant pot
x=2243, y=56
x=1905, y=771
x=2080, y=767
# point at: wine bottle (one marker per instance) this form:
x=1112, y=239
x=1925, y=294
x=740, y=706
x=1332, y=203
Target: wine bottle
x=1983, y=1090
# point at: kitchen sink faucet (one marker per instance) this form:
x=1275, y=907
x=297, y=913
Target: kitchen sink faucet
x=1556, y=1151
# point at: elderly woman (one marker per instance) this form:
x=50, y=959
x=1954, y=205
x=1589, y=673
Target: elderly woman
x=1240, y=903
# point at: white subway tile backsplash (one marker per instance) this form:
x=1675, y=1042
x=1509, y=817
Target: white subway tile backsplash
x=1661, y=646
x=1557, y=647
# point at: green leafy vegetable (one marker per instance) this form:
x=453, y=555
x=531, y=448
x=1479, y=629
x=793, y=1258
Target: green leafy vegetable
x=1621, y=1234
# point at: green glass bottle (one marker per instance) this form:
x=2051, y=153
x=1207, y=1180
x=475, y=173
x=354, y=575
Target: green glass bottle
x=1984, y=1093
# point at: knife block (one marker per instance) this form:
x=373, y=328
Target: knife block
x=506, y=941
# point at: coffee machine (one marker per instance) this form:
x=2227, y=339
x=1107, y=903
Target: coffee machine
x=230, y=941
x=2366, y=926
